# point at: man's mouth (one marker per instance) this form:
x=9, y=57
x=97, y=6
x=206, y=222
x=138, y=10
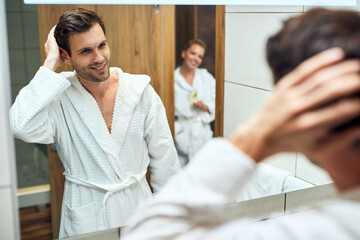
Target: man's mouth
x=99, y=67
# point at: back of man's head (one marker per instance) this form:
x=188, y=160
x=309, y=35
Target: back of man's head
x=303, y=36
x=75, y=21
x=306, y=35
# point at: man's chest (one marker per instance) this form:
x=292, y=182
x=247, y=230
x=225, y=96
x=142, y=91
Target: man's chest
x=106, y=106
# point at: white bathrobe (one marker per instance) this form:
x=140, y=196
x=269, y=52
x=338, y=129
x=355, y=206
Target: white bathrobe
x=192, y=126
x=268, y=180
x=105, y=173
x=191, y=206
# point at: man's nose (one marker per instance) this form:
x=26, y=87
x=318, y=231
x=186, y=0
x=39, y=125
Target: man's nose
x=98, y=57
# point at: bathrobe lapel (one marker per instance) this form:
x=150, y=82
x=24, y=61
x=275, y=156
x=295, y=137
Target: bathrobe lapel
x=129, y=92
x=180, y=80
x=131, y=88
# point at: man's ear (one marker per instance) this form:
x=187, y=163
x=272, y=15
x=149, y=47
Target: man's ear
x=65, y=56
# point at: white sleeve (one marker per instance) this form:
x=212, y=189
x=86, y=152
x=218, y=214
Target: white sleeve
x=33, y=113
x=195, y=196
x=164, y=162
x=205, y=116
x=191, y=206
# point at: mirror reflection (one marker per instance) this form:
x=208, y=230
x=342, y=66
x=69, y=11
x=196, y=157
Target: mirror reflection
x=247, y=82
x=194, y=102
x=194, y=79
x=109, y=127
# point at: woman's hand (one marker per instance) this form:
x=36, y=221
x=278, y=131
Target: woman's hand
x=201, y=106
x=53, y=56
x=295, y=118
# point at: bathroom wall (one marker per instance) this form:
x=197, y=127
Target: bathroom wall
x=24, y=53
x=8, y=203
x=248, y=80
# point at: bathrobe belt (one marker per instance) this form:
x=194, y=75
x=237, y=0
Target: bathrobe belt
x=109, y=188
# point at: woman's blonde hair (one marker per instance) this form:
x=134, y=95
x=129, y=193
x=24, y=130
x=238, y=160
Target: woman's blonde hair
x=194, y=41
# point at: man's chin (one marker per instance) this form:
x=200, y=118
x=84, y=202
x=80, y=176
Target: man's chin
x=93, y=78
x=101, y=77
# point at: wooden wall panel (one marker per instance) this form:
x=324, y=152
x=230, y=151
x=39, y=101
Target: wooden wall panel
x=196, y=22
x=184, y=27
x=141, y=40
x=206, y=32
x=219, y=70
x=133, y=34
x=167, y=41
x=57, y=181
x=35, y=223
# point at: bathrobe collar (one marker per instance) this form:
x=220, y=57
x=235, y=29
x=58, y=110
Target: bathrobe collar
x=180, y=80
x=130, y=90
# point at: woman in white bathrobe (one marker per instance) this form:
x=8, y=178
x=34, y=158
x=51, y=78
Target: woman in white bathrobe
x=194, y=102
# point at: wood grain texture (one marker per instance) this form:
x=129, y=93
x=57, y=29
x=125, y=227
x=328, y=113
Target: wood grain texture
x=167, y=39
x=35, y=223
x=57, y=181
x=184, y=28
x=206, y=32
x=219, y=70
x=141, y=41
x=196, y=22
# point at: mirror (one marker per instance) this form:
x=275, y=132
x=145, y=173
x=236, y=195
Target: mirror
x=194, y=79
x=248, y=82
x=242, y=77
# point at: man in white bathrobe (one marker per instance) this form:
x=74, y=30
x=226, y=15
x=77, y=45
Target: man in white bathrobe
x=312, y=110
x=108, y=126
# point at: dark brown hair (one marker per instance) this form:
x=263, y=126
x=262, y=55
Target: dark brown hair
x=304, y=36
x=75, y=21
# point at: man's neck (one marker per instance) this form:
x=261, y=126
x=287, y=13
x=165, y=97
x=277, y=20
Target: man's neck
x=99, y=89
x=345, y=174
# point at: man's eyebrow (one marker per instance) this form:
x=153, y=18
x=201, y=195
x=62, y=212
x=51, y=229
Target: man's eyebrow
x=82, y=49
x=88, y=48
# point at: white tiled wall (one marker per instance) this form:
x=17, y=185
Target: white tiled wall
x=245, y=39
x=356, y=8
x=23, y=40
x=240, y=102
x=271, y=9
x=24, y=52
x=248, y=80
x=310, y=172
x=8, y=204
x=285, y=161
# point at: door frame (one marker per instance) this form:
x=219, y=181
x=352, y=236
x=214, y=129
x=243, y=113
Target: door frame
x=219, y=69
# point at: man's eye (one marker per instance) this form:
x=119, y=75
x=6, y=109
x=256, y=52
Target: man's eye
x=102, y=45
x=84, y=51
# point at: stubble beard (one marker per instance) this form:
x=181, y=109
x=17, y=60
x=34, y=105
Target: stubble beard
x=84, y=72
